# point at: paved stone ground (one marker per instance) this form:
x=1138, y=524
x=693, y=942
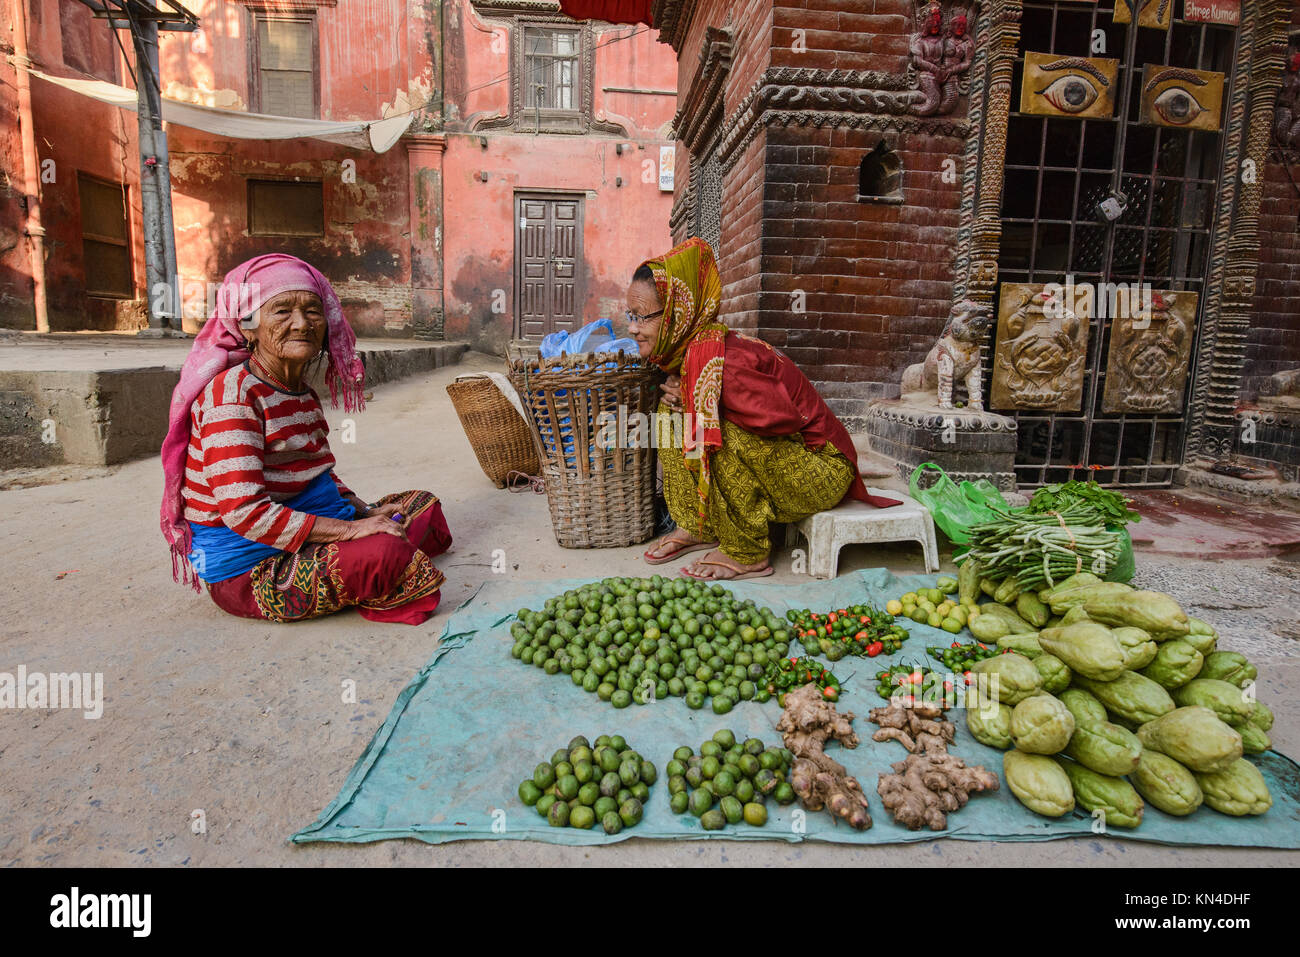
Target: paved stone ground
x=245, y=721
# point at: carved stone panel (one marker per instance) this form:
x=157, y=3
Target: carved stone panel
x=1286, y=112
x=1042, y=342
x=1150, y=350
x=1173, y=96
x=1157, y=14
x=1080, y=87
x=942, y=49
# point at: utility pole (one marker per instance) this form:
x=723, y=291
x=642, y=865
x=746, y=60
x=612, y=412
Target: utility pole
x=145, y=18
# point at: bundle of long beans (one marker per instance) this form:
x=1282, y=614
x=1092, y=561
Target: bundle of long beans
x=1041, y=550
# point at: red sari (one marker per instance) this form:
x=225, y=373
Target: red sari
x=387, y=579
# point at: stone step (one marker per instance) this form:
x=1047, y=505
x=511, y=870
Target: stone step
x=97, y=400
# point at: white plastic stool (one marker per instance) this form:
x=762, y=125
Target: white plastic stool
x=857, y=523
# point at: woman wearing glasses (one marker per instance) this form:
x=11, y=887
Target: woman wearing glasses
x=760, y=445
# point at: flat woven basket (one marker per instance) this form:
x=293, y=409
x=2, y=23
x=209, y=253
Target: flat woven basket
x=599, y=497
x=501, y=439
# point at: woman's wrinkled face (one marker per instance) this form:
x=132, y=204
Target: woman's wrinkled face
x=645, y=316
x=290, y=326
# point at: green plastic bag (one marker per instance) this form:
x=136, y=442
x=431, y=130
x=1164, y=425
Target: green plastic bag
x=955, y=508
x=1125, y=566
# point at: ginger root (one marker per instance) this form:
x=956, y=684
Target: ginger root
x=819, y=781
x=914, y=727
x=925, y=787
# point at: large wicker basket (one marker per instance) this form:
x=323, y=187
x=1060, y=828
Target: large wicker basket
x=501, y=439
x=599, y=497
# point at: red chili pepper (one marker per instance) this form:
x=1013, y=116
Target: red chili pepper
x=830, y=693
x=916, y=677
x=874, y=649
x=864, y=619
x=956, y=644
x=832, y=618
x=829, y=629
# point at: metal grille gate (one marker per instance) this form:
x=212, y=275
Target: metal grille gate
x=1057, y=170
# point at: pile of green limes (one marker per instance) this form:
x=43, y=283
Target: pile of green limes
x=584, y=784
x=646, y=639
x=737, y=777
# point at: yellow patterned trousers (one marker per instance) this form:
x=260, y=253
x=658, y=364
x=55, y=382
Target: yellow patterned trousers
x=755, y=481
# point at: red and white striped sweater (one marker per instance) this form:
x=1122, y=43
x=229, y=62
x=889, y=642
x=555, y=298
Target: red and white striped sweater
x=251, y=448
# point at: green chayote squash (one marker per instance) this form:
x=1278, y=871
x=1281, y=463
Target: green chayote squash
x=1041, y=725
x=1238, y=789
x=1056, y=676
x=1176, y=663
x=1015, y=624
x=1062, y=601
x=1104, y=747
x=1229, y=666
x=1010, y=678
x=988, y=721
x=1032, y=610
x=1167, y=784
x=1154, y=612
x=1074, y=581
x=1039, y=783
x=1194, y=737
x=1225, y=700
x=1074, y=614
x=1138, y=647
x=1254, y=739
x=1197, y=626
x=1130, y=696
x=1204, y=642
x=988, y=627
x=1087, y=648
x=1083, y=705
x=1262, y=716
x=1115, y=797
x=1026, y=644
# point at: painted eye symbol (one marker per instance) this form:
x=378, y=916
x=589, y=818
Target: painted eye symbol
x=1071, y=93
x=1178, y=106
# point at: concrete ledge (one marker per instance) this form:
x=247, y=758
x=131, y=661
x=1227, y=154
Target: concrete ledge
x=96, y=409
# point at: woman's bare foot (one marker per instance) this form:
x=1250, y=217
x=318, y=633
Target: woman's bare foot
x=717, y=565
x=673, y=544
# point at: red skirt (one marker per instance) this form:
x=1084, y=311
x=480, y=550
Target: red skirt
x=385, y=578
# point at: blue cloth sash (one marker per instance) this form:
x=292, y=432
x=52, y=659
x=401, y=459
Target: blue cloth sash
x=219, y=552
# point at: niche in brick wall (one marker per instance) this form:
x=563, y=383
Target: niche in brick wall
x=880, y=176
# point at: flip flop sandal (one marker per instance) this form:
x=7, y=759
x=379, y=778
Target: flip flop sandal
x=738, y=576
x=662, y=559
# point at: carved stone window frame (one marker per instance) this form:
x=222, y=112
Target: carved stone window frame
x=534, y=120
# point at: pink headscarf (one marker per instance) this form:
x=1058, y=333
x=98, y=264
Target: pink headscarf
x=221, y=345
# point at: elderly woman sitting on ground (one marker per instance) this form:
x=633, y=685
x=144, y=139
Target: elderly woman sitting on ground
x=251, y=504
x=764, y=447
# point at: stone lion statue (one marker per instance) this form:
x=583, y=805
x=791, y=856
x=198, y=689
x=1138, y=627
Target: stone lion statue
x=955, y=356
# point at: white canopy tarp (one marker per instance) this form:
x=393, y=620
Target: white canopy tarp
x=377, y=135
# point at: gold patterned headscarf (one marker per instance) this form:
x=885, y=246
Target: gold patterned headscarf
x=691, y=342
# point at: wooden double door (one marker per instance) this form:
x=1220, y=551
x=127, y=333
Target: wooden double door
x=548, y=263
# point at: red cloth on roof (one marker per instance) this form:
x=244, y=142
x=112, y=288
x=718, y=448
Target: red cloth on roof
x=613, y=11
x=764, y=392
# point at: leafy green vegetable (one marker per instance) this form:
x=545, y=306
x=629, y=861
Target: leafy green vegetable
x=1111, y=507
